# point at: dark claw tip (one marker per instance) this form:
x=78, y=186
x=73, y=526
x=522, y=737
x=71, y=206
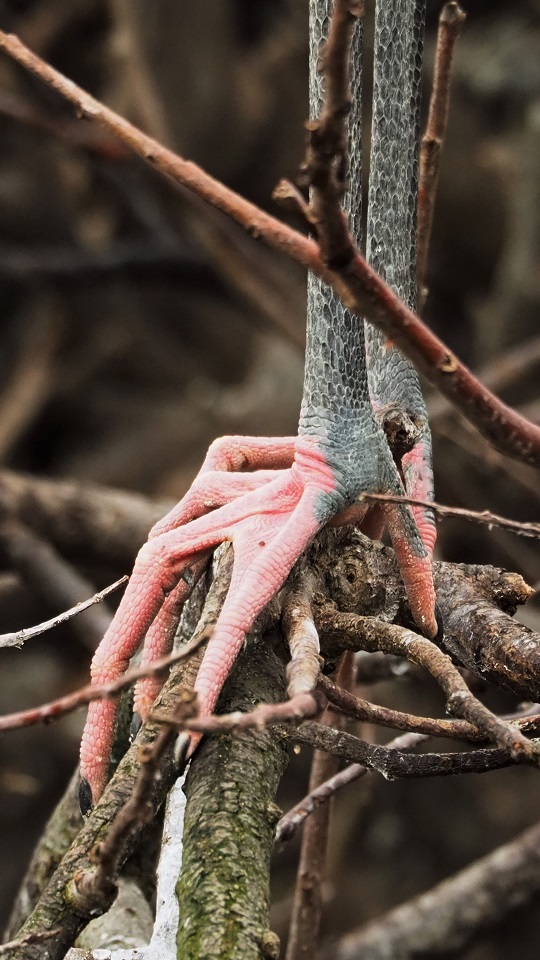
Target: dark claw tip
x=440, y=624
x=85, y=797
x=136, y=724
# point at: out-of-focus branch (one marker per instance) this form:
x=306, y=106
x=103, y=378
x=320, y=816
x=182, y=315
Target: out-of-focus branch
x=82, y=519
x=50, y=577
x=446, y=918
x=451, y=21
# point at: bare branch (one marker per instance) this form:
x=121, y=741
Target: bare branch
x=451, y=21
x=395, y=764
x=265, y=715
x=445, y=919
x=523, y=528
x=386, y=717
x=73, y=701
x=348, y=631
x=362, y=290
x=294, y=818
x=17, y=638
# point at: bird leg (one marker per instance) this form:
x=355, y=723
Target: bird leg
x=269, y=514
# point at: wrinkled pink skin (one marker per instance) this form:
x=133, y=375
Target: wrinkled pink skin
x=269, y=513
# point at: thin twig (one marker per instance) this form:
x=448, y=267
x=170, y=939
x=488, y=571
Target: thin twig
x=92, y=888
x=362, y=290
x=294, y=818
x=451, y=21
x=29, y=940
x=522, y=528
x=106, y=691
x=266, y=714
x=386, y=717
x=52, y=578
x=17, y=638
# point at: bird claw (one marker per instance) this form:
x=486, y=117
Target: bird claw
x=270, y=514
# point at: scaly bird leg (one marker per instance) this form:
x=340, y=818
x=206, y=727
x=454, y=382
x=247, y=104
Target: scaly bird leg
x=269, y=525
x=270, y=513
x=392, y=226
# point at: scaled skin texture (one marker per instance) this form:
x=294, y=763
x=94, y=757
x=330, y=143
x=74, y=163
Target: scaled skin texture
x=270, y=514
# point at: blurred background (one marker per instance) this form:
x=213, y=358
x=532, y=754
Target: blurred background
x=138, y=324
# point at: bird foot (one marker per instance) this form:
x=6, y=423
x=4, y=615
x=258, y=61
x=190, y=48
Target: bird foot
x=269, y=498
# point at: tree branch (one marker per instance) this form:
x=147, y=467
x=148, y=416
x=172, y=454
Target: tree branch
x=362, y=290
x=446, y=918
x=451, y=21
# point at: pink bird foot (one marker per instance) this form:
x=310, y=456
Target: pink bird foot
x=269, y=514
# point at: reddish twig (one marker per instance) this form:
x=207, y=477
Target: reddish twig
x=450, y=23
x=81, y=698
x=362, y=290
x=297, y=708
x=522, y=528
